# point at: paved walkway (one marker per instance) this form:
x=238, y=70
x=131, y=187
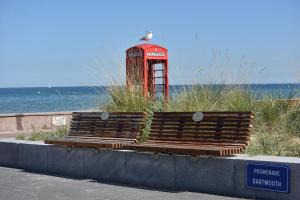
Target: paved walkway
x=17, y=184
x=13, y=134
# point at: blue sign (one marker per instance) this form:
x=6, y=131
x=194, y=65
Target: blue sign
x=268, y=177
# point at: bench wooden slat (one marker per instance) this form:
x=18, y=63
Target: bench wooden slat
x=195, y=137
x=113, y=122
x=200, y=150
x=199, y=129
x=193, y=143
x=95, y=127
x=207, y=113
x=229, y=140
x=100, y=138
x=110, y=133
x=215, y=124
x=190, y=121
x=92, y=144
x=111, y=113
x=191, y=146
x=106, y=129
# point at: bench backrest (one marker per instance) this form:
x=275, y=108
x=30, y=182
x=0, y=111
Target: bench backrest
x=215, y=127
x=117, y=124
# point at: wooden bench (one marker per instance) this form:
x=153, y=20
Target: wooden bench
x=102, y=130
x=216, y=134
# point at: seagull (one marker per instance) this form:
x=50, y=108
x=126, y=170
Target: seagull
x=146, y=37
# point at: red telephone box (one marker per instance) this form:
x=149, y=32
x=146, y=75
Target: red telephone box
x=147, y=67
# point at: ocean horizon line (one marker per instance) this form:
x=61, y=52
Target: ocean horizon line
x=205, y=84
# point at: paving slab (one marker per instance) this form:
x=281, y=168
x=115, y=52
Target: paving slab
x=22, y=185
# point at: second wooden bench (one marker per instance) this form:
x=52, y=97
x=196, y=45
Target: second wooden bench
x=207, y=133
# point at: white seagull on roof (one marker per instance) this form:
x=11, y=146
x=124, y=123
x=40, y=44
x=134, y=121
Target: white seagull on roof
x=146, y=37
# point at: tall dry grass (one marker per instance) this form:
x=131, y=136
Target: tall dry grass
x=276, y=128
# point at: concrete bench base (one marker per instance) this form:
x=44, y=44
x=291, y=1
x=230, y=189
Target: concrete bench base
x=224, y=176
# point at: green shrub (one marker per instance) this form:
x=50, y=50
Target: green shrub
x=21, y=137
x=274, y=142
x=44, y=135
x=202, y=98
x=123, y=99
x=148, y=120
x=266, y=141
x=276, y=129
x=270, y=109
x=238, y=99
x=293, y=121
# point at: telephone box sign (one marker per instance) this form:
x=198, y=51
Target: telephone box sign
x=268, y=177
x=155, y=54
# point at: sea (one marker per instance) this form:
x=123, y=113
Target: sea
x=56, y=99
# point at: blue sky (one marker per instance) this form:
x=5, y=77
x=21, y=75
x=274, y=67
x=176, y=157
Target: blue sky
x=77, y=42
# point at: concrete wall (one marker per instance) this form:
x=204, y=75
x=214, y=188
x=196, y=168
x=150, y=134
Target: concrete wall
x=225, y=176
x=28, y=122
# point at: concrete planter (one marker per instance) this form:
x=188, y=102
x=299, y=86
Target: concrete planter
x=225, y=176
